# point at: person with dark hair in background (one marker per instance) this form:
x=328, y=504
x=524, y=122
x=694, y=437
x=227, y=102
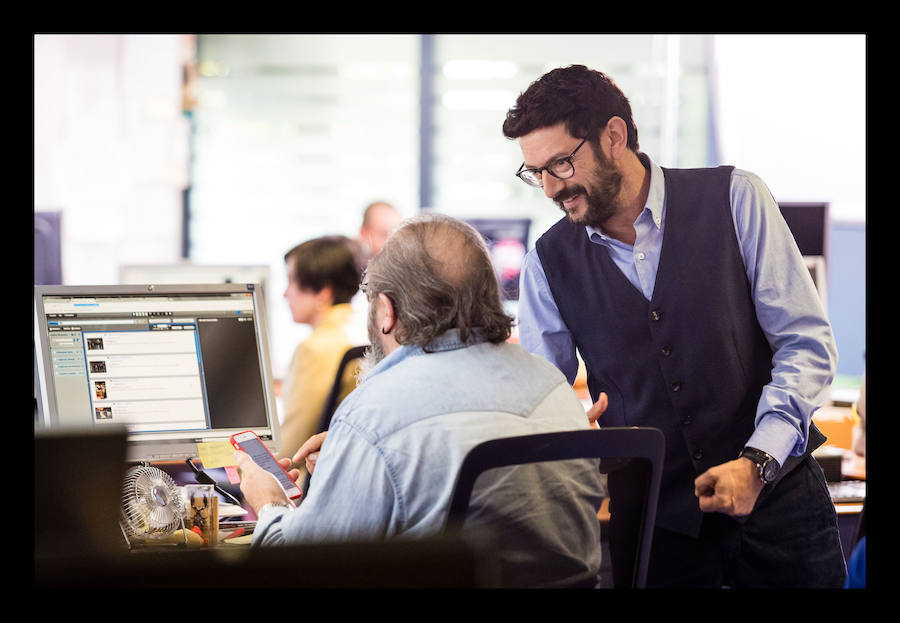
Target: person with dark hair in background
x=323, y=275
x=685, y=294
x=440, y=377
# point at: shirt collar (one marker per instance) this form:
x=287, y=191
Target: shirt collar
x=449, y=340
x=655, y=198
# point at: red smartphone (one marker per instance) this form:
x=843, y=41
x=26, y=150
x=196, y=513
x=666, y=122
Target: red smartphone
x=250, y=443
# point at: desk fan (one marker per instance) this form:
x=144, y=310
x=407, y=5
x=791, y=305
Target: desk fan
x=152, y=508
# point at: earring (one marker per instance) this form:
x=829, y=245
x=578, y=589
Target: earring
x=383, y=332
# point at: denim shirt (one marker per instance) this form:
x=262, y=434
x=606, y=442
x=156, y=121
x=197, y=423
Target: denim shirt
x=389, y=463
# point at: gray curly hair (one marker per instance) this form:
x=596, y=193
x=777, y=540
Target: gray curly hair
x=437, y=272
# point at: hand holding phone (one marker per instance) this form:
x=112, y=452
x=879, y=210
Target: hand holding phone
x=250, y=443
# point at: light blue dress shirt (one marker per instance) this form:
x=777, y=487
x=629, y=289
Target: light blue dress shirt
x=788, y=307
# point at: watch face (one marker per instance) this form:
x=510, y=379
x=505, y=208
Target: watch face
x=770, y=471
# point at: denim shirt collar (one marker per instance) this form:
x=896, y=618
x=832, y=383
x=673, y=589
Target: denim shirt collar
x=447, y=341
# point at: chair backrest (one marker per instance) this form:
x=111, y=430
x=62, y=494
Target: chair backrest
x=334, y=396
x=616, y=447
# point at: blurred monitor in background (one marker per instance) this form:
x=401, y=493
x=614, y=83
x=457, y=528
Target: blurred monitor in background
x=808, y=222
x=507, y=240
x=47, y=248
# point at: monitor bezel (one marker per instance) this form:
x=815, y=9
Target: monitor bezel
x=175, y=446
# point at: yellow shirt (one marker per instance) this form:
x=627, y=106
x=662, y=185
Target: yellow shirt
x=311, y=375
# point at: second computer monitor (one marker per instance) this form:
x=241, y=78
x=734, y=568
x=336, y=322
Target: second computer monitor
x=507, y=241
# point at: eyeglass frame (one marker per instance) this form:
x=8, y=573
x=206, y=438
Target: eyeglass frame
x=537, y=171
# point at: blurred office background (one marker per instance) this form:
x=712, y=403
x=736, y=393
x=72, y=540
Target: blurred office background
x=230, y=149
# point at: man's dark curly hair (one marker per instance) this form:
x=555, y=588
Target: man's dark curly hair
x=584, y=99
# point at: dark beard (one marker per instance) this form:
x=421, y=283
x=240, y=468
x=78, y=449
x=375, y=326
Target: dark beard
x=605, y=184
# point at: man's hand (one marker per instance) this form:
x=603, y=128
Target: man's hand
x=730, y=488
x=309, y=451
x=594, y=413
x=259, y=486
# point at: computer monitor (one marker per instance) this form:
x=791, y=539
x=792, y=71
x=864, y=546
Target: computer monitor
x=507, y=241
x=175, y=364
x=816, y=266
x=47, y=248
x=190, y=272
x=808, y=221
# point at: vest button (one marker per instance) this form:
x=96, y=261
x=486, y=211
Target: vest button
x=698, y=454
x=687, y=420
x=655, y=315
x=665, y=351
x=676, y=387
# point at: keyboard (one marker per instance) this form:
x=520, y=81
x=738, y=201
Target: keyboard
x=847, y=491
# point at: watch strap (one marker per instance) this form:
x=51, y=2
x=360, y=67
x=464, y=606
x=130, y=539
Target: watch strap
x=763, y=461
x=270, y=506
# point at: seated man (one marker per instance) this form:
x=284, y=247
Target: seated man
x=439, y=378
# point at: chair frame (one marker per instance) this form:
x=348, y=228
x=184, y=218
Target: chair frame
x=615, y=446
x=331, y=402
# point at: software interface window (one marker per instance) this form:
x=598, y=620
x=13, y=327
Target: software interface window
x=156, y=363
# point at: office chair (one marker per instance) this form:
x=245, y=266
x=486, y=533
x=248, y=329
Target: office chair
x=331, y=403
x=333, y=399
x=618, y=448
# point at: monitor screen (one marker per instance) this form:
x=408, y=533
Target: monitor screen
x=808, y=221
x=176, y=365
x=507, y=241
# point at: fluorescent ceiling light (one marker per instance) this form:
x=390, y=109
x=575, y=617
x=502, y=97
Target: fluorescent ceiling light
x=479, y=70
x=478, y=100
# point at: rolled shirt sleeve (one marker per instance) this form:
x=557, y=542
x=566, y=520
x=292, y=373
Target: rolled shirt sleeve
x=354, y=498
x=792, y=317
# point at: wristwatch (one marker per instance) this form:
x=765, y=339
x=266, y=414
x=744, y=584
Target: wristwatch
x=766, y=464
x=270, y=505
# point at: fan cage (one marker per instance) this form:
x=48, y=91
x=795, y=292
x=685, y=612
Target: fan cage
x=151, y=505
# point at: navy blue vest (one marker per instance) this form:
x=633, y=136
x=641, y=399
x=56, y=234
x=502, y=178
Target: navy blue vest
x=693, y=360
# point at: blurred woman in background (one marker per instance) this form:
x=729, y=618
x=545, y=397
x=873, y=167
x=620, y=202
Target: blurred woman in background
x=323, y=275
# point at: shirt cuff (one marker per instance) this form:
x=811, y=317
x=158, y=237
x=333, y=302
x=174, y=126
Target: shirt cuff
x=776, y=437
x=271, y=506
x=268, y=524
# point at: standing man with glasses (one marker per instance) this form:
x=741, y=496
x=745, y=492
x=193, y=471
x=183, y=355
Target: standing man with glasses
x=685, y=294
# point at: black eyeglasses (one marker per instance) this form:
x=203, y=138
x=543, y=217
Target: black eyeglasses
x=364, y=286
x=560, y=169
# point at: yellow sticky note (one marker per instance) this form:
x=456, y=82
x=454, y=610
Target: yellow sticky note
x=216, y=454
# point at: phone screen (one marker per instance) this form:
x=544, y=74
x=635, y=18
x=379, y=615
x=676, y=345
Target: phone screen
x=262, y=457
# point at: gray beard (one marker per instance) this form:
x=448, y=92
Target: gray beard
x=374, y=353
